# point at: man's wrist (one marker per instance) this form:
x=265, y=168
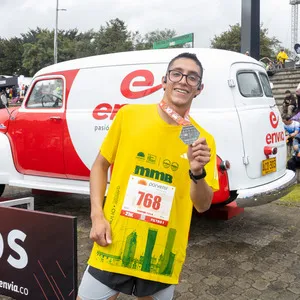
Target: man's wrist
x=197, y=172
x=97, y=215
x=195, y=177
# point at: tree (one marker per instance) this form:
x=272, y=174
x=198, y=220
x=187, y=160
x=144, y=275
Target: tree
x=85, y=44
x=39, y=54
x=11, y=51
x=231, y=40
x=147, y=41
x=113, y=38
x=32, y=35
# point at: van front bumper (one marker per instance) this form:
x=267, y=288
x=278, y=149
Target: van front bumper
x=268, y=192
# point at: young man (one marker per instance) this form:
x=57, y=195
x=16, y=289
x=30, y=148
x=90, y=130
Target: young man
x=289, y=104
x=162, y=168
x=291, y=128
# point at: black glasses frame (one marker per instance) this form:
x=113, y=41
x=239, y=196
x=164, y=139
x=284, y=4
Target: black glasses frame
x=187, y=77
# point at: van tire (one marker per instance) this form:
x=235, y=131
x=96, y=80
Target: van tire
x=2, y=187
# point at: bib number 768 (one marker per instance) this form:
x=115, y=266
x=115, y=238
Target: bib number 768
x=148, y=200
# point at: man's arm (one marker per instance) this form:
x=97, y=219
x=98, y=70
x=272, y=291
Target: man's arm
x=294, y=101
x=294, y=133
x=100, y=231
x=201, y=194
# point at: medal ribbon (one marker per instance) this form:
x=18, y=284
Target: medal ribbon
x=174, y=115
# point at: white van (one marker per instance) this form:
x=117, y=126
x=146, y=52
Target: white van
x=51, y=141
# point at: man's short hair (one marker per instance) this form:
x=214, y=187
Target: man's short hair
x=286, y=117
x=190, y=56
x=287, y=92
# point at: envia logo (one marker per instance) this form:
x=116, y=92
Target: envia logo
x=274, y=120
x=274, y=137
x=136, y=79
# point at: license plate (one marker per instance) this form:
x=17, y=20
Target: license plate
x=268, y=166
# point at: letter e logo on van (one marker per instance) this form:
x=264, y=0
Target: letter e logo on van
x=274, y=120
x=138, y=78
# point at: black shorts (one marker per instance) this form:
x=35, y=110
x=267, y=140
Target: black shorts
x=128, y=285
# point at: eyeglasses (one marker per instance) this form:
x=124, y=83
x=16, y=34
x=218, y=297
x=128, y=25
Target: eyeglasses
x=191, y=79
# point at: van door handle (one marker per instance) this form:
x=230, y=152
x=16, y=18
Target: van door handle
x=55, y=118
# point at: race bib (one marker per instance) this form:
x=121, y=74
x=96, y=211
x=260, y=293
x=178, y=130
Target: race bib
x=148, y=200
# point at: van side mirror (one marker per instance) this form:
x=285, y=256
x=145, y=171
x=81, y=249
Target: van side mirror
x=2, y=102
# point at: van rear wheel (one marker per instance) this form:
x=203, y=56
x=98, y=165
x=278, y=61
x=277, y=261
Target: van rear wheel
x=2, y=187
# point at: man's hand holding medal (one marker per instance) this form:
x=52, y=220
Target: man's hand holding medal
x=198, y=155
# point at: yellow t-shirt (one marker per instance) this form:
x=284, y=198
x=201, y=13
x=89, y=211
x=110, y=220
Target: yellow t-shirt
x=148, y=203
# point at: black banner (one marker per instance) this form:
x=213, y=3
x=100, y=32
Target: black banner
x=38, y=255
x=8, y=81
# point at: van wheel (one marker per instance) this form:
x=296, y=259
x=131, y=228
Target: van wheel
x=2, y=187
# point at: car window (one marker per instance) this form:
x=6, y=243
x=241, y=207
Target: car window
x=266, y=84
x=249, y=85
x=46, y=94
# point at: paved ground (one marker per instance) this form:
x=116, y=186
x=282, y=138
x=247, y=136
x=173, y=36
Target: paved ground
x=253, y=256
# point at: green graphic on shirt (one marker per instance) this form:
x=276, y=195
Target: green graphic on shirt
x=151, y=173
x=149, y=249
x=115, y=203
x=168, y=257
x=129, y=250
x=163, y=264
x=141, y=156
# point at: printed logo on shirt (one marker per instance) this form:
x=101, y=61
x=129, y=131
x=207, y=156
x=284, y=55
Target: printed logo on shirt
x=151, y=158
x=174, y=166
x=167, y=164
x=140, y=156
x=151, y=173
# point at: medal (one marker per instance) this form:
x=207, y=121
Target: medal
x=189, y=134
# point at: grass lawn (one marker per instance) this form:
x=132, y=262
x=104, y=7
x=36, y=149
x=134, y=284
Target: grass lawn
x=293, y=196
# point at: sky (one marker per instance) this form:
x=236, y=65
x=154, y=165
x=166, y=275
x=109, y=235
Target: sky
x=204, y=18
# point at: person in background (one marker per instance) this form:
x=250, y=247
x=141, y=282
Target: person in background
x=7, y=92
x=291, y=128
x=289, y=104
x=270, y=68
x=14, y=92
x=247, y=53
x=297, y=92
x=294, y=162
x=281, y=58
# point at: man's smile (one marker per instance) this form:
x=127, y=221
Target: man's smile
x=181, y=91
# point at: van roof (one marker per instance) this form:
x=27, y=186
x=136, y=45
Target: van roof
x=210, y=58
